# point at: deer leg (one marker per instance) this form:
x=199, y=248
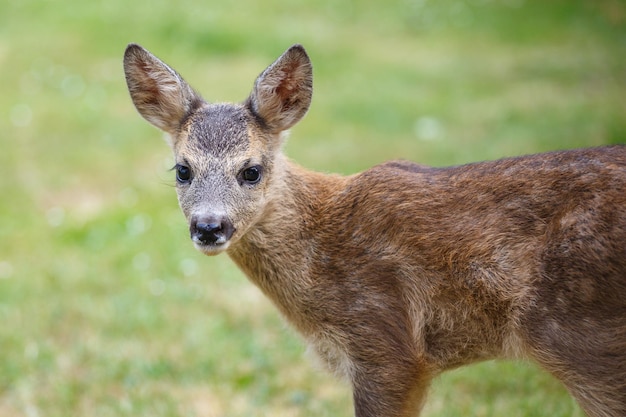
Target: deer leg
x=392, y=390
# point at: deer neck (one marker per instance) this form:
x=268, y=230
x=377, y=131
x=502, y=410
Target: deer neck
x=278, y=253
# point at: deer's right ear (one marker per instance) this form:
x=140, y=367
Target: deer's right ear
x=160, y=95
x=282, y=93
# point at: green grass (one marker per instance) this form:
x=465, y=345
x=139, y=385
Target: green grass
x=107, y=310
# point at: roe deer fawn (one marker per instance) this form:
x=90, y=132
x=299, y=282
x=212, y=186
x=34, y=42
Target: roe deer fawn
x=403, y=271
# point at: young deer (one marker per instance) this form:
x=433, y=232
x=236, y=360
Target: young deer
x=403, y=271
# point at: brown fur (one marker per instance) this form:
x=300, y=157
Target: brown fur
x=403, y=271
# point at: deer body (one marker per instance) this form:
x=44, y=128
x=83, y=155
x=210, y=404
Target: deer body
x=403, y=271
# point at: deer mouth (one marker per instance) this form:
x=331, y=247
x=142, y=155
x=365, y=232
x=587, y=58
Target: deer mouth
x=211, y=249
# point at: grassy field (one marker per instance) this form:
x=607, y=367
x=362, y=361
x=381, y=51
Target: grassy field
x=105, y=307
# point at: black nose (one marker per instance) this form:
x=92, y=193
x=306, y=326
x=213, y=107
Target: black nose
x=210, y=230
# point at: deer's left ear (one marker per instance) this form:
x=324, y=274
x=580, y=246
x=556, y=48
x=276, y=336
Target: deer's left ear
x=160, y=95
x=282, y=93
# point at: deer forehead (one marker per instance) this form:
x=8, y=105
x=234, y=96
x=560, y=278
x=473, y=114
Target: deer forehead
x=219, y=131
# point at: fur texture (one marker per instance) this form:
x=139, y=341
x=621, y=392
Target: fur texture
x=403, y=271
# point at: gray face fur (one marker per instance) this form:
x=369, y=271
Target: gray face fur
x=217, y=151
x=218, y=130
x=224, y=152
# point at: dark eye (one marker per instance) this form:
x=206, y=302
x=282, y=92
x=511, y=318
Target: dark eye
x=251, y=175
x=183, y=174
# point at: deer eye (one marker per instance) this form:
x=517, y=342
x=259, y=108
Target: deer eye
x=183, y=174
x=251, y=175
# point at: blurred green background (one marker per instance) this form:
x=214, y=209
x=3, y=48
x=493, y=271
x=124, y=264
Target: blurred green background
x=105, y=307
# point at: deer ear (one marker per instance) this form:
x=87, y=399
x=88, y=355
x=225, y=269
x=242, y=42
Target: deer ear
x=160, y=95
x=282, y=93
